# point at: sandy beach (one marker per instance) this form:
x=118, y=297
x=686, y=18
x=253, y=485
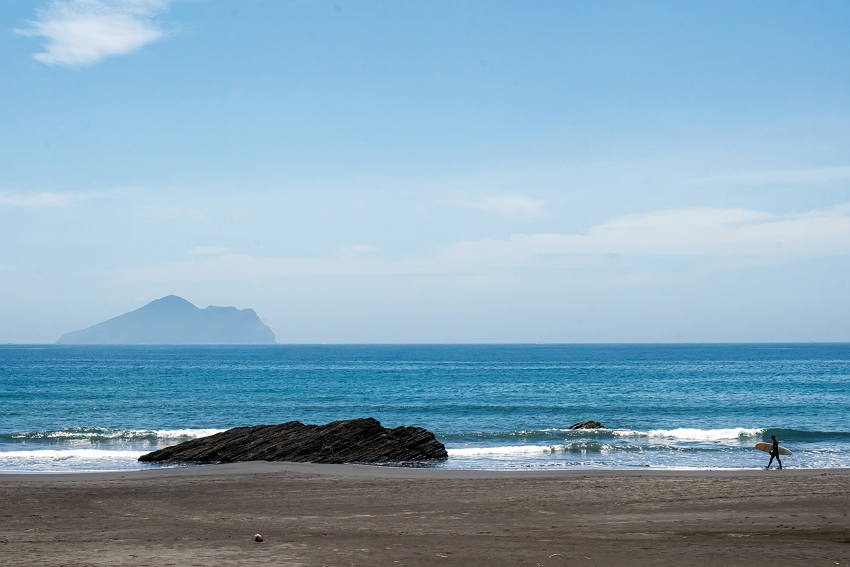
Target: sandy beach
x=357, y=515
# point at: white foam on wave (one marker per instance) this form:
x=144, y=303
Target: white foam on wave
x=690, y=434
x=190, y=433
x=568, y=430
x=504, y=450
x=68, y=460
x=88, y=449
x=84, y=434
x=65, y=454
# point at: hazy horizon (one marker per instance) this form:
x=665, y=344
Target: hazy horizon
x=442, y=172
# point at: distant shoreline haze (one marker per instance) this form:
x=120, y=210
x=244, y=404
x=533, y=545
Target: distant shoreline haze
x=173, y=321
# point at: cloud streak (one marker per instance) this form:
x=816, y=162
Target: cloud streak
x=82, y=32
x=719, y=232
x=43, y=199
x=685, y=232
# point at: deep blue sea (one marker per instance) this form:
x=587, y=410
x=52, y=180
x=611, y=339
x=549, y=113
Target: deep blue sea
x=75, y=408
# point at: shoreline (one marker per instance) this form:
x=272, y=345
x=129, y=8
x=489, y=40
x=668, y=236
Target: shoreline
x=390, y=472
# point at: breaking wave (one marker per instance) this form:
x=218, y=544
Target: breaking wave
x=96, y=435
x=68, y=460
x=690, y=434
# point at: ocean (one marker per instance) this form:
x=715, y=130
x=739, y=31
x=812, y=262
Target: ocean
x=87, y=408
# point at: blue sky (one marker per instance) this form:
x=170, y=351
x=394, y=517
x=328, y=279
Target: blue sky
x=430, y=171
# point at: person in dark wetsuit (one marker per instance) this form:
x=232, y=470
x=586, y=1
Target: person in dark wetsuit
x=774, y=453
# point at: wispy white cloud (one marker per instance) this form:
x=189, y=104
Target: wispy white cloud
x=673, y=232
x=509, y=206
x=43, y=199
x=82, y=32
x=682, y=232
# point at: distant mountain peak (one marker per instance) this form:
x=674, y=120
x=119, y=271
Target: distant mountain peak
x=173, y=320
x=169, y=303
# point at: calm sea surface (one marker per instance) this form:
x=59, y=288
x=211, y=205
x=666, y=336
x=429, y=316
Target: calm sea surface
x=66, y=408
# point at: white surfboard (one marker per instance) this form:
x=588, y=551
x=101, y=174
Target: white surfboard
x=767, y=447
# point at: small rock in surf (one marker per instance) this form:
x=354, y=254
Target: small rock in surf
x=588, y=425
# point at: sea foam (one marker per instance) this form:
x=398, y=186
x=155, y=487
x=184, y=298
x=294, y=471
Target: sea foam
x=68, y=460
x=691, y=434
x=95, y=434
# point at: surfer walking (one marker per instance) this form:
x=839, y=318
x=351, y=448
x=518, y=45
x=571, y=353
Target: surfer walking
x=774, y=453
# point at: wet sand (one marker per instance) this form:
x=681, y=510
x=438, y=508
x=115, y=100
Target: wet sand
x=353, y=515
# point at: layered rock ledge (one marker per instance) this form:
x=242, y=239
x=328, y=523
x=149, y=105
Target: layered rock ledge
x=362, y=440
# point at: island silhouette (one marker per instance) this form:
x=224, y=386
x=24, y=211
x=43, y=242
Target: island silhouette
x=172, y=321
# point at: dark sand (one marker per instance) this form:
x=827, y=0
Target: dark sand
x=347, y=515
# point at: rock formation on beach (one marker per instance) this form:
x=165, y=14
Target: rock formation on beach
x=350, y=441
x=171, y=321
x=587, y=425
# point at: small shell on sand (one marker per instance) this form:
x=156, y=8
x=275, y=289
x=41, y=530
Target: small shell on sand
x=258, y=538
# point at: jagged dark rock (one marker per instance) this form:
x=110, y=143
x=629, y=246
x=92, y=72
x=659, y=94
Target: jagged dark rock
x=350, y=441
x=588, y=425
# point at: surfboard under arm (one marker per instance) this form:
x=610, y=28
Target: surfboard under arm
x=766, y=447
